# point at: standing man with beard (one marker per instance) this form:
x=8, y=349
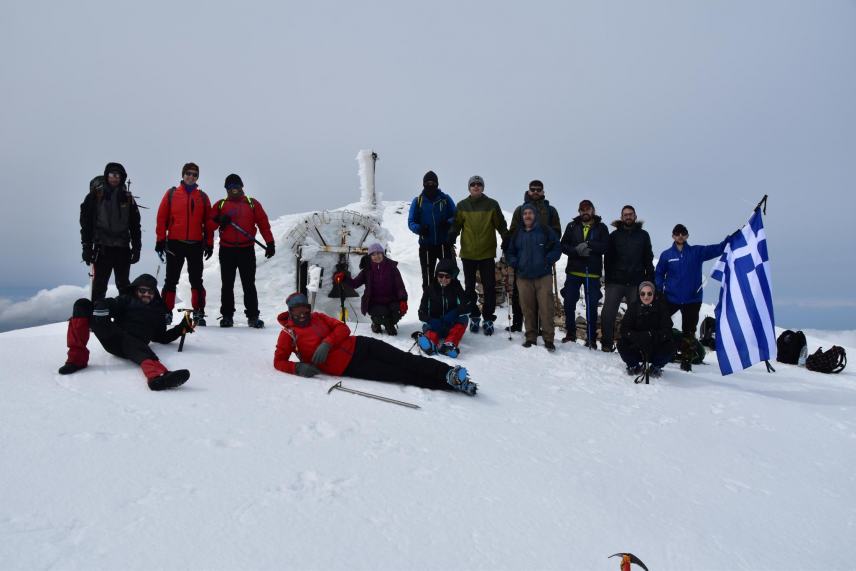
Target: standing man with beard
x=585, y=242
x=547, y=217
x=110, y=230
x=628, y=262
x=431, y=215
x=185, y=232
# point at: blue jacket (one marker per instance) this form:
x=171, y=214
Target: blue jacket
x=678, y=272
x=533, y=253
x=437, y=215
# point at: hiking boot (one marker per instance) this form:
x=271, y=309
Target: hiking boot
x=515, y=328
x=168, y=317
x=634, y=370
x=449, y=350
x=607, y=347
x=226, y=321
x=549, y=346
x=70, y=368
x=376, y=328
x=592, y=344
x=255, y=323
x=459, y=379
x=475, y=324
x=426, y=345
x=686, y=366
x=199, y=317
x=488, y=327
x=390, y=329
x=169, y=380
x=528, y=343
x=570, y=338
x=655, y=371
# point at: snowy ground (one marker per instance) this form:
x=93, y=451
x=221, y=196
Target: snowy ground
x=559, y=462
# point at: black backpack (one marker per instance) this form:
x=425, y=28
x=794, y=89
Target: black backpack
x=832, y=361
x=789, y=345
x=707, y=333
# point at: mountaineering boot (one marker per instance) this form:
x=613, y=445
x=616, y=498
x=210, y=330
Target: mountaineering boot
x=426, y=345
x=459, y=379
x=634, y=370
x=376, y=328
x=390, y=329
x=515, y=327
x=255, y=323
x=529, y=343
x=70, y=368
x=226, y=321
x=687, y=353
x=549, y=346
x=475, y=324
x=449, y=350
x=169, y=380
x=655, y=372
x=488, y=327
x=591, y=344
x=199, y=317
x=570, y=337
x=607, y=347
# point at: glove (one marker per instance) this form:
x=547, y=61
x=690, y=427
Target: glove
x=402, y=307
x=338, y=277
x=135, y=255
x=160, y=247
x=583, y=249
x=435, y=324
x=88, y=253
x=187, y=324
x=320, y=354
x=270, y=250
x=223, y=219
x=306, y=370
x=424, y=230
x=209, y=251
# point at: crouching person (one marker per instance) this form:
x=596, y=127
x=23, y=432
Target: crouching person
x=646, y=334
x=325, y=345
x=125, y=326
x=444, y=311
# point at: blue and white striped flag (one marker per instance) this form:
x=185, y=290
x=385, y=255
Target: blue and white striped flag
x=745, y=331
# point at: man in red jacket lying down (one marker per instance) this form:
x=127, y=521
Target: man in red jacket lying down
x=325, y=345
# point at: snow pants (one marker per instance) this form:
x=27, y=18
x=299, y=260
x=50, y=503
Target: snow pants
x=375, y=360
x=571, y=295
x=115, y=260
x=180, y=251
x=451, y=335
x=428, y=258
x=615, y=293
x=386, y=313
x=242, y=261
x=487, y=271
x=536, y=301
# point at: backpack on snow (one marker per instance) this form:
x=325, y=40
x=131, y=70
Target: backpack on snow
x=707, y=333
x=789, y=345
x=680, y=344
x=832, y=361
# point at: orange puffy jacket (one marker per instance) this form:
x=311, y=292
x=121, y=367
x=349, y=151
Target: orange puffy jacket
x=304, y=340
x=246, y=213
x=185, y=216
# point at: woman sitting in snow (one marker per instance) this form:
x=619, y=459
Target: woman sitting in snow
x=646, y=333
x=385, y=298
x=325, y=345
x=444, y=311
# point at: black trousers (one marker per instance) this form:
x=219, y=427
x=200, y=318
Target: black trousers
x=487, y=270
x=375, y=360
x=428, y=257
x=389, y=314
x=689, y=316
x=190, y=251
x=120, y=343
x=115, y=259
x=242, y=260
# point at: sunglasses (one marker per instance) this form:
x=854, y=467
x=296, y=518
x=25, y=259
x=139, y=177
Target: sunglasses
x=536, y=190
x=142, y=290
x=477, y=184
x=443, y=276
x=191, y=173
x=646, y=294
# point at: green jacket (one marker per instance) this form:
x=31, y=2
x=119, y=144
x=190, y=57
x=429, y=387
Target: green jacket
x=478, y=221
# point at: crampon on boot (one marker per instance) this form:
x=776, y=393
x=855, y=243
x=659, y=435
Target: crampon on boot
x=459, y=379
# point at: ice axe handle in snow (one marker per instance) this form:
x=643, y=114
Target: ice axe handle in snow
x=247, y=235
x=338, y=386
x=183, y=335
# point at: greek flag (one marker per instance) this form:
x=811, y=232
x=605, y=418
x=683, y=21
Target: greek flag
x=745, y=332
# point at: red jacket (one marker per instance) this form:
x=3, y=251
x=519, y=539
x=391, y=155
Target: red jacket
x=185, y=216
x=246, y=213
x=322, y=328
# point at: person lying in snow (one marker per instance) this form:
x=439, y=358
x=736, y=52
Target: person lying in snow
x=325, y=345
x=444, y=311
x=125, y=326
x=646, y=333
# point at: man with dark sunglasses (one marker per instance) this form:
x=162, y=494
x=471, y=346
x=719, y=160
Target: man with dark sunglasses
x=125, y=326
x=185, y=231
x=678, y=276
x=478, y=220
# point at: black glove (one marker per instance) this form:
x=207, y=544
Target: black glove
x=160, y=247
x=223, y=219
x=88, y=253
x=135, y=255
x=270, y=250
x=424, y=230
x=306, y=370
x=209, y=251
x=321, y=353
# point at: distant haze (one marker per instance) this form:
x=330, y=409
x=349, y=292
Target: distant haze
x=691, y=111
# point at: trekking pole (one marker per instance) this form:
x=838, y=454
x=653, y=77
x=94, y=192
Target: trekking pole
x=588, y=316
x=643, y=376
x=183, y=335
x=509, y=286
x=338, y=386
x=247, y=235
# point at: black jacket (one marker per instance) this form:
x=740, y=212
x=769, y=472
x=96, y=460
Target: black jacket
x=598, y=241
x=547, y=215
x=89, y=207
x=146, y=322
x=437, y=301
x=647, y=328
x=629, y=258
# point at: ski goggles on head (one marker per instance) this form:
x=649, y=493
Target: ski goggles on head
x=144, y=290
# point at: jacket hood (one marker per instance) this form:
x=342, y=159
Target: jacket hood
x=112, y=167
x=528, y=199
x=636, y=226
x=284, y=319
x=594, y=220
x=447, y=266
x=146, y=280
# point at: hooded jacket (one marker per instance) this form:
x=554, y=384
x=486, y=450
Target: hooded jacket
x=647, y=327
x=246, y=213
x=678, y=272
x=629, y=259
x=304, y=340
x=598, y=241
x=436, y=214
x=145, y=321
x=547, y=215
x=119, y=220
x=383, y=284
x=533, y=252
x=437, y=301
x=477, y=221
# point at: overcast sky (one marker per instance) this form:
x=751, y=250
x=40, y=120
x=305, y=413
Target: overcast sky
x=689, y=110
